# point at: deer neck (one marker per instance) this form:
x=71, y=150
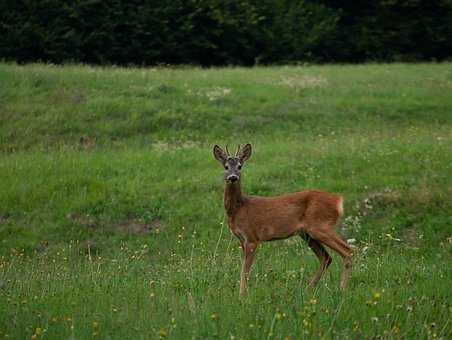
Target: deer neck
x=232, y=197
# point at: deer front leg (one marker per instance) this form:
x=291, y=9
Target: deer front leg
x=249, y=249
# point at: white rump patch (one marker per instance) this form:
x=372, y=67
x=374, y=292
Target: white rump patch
x=340, y=206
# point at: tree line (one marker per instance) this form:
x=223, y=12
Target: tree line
x=224, y=32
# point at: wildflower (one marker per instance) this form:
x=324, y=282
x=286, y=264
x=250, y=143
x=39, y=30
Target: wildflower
x=390, y=237
x=369, y=302
x=214, y=316
x=313, y=301
x=377, y=296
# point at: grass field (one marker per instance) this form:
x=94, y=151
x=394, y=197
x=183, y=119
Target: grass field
x=111, y=216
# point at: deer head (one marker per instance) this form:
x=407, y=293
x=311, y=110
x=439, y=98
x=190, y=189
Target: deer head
x=232, y=164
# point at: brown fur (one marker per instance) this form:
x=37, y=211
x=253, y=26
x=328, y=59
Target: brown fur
x=311, y=214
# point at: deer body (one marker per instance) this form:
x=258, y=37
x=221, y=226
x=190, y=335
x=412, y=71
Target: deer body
x=310, y=214
x=260, y=219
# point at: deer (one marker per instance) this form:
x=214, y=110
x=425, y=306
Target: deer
x=310, y=214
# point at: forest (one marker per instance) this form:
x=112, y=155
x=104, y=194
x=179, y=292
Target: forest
x=224, y=32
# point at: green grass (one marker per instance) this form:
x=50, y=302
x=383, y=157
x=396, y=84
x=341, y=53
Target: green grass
x=111, y=217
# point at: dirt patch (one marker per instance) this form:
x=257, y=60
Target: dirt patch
x=383, y=199
x=248, y=122
x=131, y=227
x=134, y=227
x=178, y=145
x=88, y=247
x=82, y=220
x=303, y=82
x=86, y=143
x=65, y=96
x=3, y=220
x=412, y=237
x=368, y=206
x=78, y=98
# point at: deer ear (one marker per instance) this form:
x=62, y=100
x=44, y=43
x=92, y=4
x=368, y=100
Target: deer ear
x=245, y=153
x=219, y=154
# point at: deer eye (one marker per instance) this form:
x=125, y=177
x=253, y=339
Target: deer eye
x=240, y=166
x=226, y=167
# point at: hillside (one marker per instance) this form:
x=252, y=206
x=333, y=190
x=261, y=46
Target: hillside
x=109, y=193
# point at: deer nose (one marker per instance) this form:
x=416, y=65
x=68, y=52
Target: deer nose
x=233, y=178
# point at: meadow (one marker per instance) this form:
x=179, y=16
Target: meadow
x=111, y=216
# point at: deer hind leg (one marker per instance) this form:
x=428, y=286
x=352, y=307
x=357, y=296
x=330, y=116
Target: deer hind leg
x=249, y=250
x=323, y=256
x=328, y=237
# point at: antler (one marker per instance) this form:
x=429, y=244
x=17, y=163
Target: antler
x=227, y=151
x=238, y=150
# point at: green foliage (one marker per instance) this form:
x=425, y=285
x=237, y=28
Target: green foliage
x=296, y=31
x=214, y=32
x=393, y=30
x=111, y=216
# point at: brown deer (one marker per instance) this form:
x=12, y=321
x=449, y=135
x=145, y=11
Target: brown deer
x=310, y=214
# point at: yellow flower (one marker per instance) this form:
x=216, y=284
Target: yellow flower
x=377, y=296
x=214, y=316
